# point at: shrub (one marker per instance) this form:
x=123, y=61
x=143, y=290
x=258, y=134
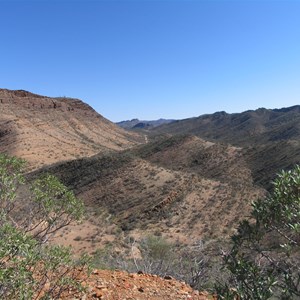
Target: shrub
x=155, y=255
x=264, y=260
x=30, y=269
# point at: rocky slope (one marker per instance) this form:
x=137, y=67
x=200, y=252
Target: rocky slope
x=115, y=285
x=46, y=130
x=183, y=188
x=121, y=285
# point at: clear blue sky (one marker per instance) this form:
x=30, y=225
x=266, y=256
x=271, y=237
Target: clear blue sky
x=154, y=59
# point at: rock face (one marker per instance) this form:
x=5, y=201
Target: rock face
x=46, y=130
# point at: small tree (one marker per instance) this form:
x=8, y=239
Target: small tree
x=53, y=207
x=161, y=257
x=156, y=255
x=264, y=260
x=30, y=269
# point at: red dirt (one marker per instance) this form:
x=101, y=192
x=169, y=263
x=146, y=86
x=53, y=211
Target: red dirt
x=120, y=285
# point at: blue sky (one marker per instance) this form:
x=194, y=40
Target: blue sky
x=154, y=59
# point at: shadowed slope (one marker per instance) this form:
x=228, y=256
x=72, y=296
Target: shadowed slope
x=185, y=188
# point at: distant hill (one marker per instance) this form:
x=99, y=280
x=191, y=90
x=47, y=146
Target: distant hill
x=241, y=129
x=137, y=124
x=45, y=130
x=270, y=138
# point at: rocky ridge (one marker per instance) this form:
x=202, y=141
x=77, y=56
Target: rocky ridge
x=45, y=130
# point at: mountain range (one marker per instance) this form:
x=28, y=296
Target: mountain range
x=269, y=138
x=241, y=129
x=189, y=180
x=138, y=124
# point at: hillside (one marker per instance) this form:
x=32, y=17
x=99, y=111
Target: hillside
x=241, y=129
x=183, y=188
x=269, y=137
x=46, y=130
x=266, y=160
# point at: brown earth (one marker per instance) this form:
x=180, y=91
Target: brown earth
x=120, y=285
x=46, y=130
x=183, y=188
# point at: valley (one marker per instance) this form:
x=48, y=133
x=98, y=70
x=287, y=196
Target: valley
x=189, y=182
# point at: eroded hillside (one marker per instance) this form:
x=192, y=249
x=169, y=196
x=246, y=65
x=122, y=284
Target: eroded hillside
x=46, y=130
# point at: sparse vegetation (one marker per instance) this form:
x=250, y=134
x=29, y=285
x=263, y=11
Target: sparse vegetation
x=179, y=188
x=156, y=255
x=30, y=269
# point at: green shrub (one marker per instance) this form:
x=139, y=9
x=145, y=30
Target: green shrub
x=264, y=260
x=29, y=268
